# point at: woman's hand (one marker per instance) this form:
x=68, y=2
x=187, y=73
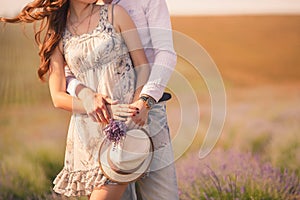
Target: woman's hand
x=142, y=116
x=136, y=113
x=122, y=111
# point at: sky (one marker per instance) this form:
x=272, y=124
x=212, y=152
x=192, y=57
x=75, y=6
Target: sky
x=199, y=7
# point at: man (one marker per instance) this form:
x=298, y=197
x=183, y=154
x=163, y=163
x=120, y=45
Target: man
x=152, y=20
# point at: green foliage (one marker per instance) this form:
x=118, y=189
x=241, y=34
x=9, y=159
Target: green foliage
x=50, y=161
x=260, y=143
x=287, y=154
x=21, y=178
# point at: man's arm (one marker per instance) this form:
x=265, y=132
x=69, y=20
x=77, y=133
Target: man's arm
x=71, y=82
x=165, y=58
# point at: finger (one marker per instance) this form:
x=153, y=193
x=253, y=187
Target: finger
x=124, y=114
x=106, y=114
x=133, y=107
x=121, y=111
x=126, y=108
x=110, y=110
x=133, y=110
x=97, y=117
x=100, y=116
x=103, y=111
x=129, y=108
x=123, y=119
x=129, y=123
x=110, y=101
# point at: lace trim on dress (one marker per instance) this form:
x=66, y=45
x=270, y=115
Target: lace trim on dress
x=79, y=183
x=100, y=27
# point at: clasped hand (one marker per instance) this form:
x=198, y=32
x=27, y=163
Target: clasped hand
x=101, y=109
x=134, y=114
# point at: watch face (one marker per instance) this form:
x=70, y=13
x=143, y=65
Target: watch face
x=150, y=102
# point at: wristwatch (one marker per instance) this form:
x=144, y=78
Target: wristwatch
x=149, y=101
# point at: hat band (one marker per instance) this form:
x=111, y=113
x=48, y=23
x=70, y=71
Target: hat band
x=122, y=171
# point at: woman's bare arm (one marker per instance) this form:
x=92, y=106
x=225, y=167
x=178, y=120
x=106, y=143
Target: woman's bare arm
x=57, y=85
x=124, y=24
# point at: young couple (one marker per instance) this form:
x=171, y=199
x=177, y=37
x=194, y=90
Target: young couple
x=109, y=61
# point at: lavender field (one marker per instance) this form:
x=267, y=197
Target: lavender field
x=258, y=154
x=233, y=175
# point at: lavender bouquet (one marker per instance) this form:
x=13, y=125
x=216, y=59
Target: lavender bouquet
x=115, y=131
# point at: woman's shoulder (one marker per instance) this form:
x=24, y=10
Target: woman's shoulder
x=120, y=15
x=117, y=9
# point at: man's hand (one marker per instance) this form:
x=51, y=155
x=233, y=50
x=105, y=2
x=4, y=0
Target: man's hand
x=96, y=105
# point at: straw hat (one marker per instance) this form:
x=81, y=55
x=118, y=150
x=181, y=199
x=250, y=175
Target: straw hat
x=128, y=160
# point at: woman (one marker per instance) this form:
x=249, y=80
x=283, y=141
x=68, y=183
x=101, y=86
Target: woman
x=93, y=41
x=152, y=20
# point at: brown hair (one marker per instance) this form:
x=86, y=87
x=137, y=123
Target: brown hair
x=53, y=16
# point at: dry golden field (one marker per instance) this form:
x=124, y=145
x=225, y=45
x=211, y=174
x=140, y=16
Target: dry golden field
x=249, y=50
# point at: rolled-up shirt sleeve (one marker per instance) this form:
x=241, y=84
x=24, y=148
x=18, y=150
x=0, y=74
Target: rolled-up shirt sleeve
x=164, y=56
x=72, y=82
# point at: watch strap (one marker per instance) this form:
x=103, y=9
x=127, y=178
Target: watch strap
x=144, y=98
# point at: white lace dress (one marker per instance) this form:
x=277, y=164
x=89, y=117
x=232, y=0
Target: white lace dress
x=101, y=61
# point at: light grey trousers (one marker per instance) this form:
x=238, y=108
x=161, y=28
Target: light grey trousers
x=161, y=182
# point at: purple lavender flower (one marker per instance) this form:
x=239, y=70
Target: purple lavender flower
x=115, y=131
x=234, y=175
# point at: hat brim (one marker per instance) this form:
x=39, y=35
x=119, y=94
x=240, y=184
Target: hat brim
x=118, y=177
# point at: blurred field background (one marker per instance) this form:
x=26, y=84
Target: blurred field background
x=258, y=154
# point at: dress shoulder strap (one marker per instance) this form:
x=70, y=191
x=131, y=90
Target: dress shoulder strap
x=112, y=13
x=104, y=12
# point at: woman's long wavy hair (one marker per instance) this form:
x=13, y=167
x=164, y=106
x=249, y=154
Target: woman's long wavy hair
x=53, y=17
